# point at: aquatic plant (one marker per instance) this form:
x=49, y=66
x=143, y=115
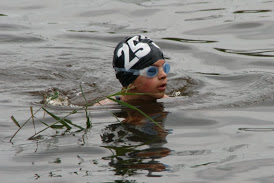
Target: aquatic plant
x=64, y=122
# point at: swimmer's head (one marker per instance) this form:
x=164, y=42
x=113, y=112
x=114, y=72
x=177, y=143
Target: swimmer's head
x=134, y=53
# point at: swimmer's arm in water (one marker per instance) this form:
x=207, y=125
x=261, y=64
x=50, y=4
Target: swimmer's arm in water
x=105, y=102
x=109, y=102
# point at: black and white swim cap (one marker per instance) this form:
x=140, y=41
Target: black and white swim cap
x=137, y=52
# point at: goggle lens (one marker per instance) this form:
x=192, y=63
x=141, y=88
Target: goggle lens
x=152, y=71
x=149, y=72
x=166, y=68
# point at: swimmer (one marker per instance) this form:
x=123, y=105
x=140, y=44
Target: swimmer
x=141, y=68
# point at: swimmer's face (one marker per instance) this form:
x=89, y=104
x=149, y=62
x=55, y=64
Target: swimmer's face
x=155, y=85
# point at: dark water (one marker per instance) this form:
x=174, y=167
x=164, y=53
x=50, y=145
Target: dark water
x=219, y=126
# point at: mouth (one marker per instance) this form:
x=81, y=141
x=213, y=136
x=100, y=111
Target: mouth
x=162, y=87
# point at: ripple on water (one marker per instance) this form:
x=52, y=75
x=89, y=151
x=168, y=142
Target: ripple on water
x=23, y=38
x=194, y=11
x=243, y=168
x=188, y=40
x=252, y=11
x=204, y=18
x=12, y=27
x=225, y=90
x=98, y=13
x=174, y=46
x=59, y=151
x=254, y=53
x=245, y=30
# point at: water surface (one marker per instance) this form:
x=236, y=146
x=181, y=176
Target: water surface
x=219, y=125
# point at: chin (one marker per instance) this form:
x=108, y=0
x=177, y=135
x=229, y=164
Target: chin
x=158, y=96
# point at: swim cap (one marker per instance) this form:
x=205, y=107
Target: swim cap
x=137, y=52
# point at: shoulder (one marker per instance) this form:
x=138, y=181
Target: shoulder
x=107, y=101
x=104, y=102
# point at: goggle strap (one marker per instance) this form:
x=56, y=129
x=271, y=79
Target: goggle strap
x=133, y=71
x=136, y=72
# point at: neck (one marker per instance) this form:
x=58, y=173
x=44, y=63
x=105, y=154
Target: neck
x=128, y=98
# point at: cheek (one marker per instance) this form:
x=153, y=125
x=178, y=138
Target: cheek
x=145, y=84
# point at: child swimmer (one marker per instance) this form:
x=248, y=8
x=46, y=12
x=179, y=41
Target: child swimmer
x=141, y=68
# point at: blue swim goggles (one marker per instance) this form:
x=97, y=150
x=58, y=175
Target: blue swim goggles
x=149, y=72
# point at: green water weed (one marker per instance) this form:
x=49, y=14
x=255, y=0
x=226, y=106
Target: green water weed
x=64, y=122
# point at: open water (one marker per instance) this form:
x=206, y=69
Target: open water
x=220, y=125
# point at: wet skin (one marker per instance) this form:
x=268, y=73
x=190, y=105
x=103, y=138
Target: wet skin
x=155, y=86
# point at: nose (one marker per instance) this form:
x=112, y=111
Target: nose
x=162, y=74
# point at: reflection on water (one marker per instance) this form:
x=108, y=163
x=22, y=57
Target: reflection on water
x=136, y=142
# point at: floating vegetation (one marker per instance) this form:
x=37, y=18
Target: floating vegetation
x=63, y=122
x=3, y=14
x=57, y=99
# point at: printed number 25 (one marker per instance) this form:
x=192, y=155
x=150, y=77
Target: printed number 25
x=140, y=50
